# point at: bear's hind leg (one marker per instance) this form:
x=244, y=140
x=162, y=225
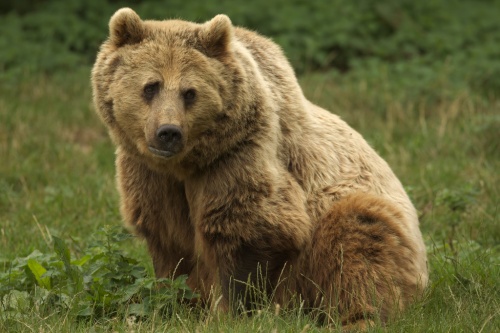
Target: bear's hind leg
x=362, y=264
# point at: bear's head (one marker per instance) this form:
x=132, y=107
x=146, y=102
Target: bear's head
x=175, y=94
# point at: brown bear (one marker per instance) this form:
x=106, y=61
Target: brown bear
x=233, y=177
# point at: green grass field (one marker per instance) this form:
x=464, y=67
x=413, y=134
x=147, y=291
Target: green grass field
x=57, y=178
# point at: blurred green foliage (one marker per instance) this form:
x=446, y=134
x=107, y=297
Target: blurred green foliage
x=425, y=40
x=98, y=283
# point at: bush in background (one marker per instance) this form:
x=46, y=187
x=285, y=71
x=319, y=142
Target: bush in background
x=422, y=41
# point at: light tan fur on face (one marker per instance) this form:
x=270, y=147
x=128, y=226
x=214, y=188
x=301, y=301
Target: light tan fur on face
x=264, y=177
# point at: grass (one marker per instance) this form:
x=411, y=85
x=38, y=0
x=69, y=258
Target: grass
x=57, y=178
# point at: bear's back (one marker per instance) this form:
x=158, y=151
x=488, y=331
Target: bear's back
x=328, y=158
x=312, y=137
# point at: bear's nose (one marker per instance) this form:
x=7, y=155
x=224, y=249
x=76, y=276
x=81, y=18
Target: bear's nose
x=169, y=134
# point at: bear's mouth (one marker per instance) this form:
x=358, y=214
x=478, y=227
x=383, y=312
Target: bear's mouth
x=162, y=153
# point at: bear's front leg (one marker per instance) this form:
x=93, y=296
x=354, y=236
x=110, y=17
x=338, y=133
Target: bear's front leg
x=250, y=228
x=250, y=270
x=155, y=206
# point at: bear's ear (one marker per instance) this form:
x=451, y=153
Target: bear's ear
x=125, y=27
x=217, y=36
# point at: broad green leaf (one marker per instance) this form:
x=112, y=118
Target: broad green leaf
x=81, y=261
x=85, y=311
x=137, y=309
x=62, y=250
x=18, y=300
x=128, y=292
x=38, y=271
x=64, y=254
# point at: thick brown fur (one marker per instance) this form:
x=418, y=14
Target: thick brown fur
x=250, y=174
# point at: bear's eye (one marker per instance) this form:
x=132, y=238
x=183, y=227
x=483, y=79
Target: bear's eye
x=189, y=96
x=150, y=90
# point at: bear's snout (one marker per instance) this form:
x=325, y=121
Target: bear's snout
x=169, y=134
x=169, y=141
